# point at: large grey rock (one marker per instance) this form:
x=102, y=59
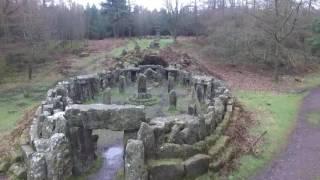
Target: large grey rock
x=146, y=135
x=53, y=124
x=99, y=116
x=37, y=167
x=83, y=148
x=196, y=165
x=166, y=171
x=134, y=160
x=58, y=157
x=169, y=150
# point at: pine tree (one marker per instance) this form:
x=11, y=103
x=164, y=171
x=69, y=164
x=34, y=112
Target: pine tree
x=116, y=11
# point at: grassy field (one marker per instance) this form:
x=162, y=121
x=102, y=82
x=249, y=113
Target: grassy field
x=276, y=114
x=143, y=43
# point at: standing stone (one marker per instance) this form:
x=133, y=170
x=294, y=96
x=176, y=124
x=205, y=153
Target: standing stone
x=146, y=135
x=122, y=84
x=192, y=110
x=202, y=128
x=170, y=83
x=37, y=169
x=58, y=159
x=173, y=100
x=142, y=84
x=213, y=89
x=200, y=93
x=134, y=160
x=129, y=77
x=107, y=96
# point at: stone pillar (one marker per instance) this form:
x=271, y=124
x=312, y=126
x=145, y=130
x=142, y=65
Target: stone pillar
x=173, y=100
x=146, y=135
x=202, y=129
x=129, y=77
x=122, y=84
x=200, y=93
x=37, y=167
x=134, y=160
x=106, y=98
x=212, y=89
x=170, y=83
x=142, y=84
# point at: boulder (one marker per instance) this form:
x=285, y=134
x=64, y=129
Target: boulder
x=134, y=160
x=197, y=165
x=169, y=150
x=171, y=170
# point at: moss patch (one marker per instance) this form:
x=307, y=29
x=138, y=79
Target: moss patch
x=152, y=163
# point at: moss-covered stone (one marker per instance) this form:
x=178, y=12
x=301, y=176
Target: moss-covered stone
x=220, y=145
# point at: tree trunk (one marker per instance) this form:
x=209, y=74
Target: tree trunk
x=276, y=72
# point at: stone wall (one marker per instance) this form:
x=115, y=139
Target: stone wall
x=61, y=140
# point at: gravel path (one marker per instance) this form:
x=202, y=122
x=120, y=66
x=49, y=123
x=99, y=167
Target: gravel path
x=301, y=158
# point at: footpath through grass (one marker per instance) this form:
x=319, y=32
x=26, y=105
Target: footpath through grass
x=276, y=114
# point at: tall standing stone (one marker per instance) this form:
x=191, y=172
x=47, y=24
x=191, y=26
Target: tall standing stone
x=173, y=99
x=134, y=160
x=122, y=84
x=142, y=84
x=146, y=135
x=107, y=96
x=200, y=93
x=202, y=128
x=129, y=77
x=170, y=83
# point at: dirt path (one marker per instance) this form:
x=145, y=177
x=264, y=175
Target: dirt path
x=301, y=158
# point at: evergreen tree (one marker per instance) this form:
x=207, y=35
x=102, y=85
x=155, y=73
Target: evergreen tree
x=315, y=40
x=116, y=11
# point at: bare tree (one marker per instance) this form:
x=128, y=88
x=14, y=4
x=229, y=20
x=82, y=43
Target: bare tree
x=173, y=8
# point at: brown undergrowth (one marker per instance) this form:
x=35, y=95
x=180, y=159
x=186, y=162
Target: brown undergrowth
x=10, y=141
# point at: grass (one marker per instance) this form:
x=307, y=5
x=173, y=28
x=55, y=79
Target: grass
x=14, y=103
x=276, y=115
x=312, y=80
x=143, y=43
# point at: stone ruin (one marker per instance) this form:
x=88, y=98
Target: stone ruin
x=168, y=147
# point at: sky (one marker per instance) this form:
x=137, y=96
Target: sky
x=150, y=4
